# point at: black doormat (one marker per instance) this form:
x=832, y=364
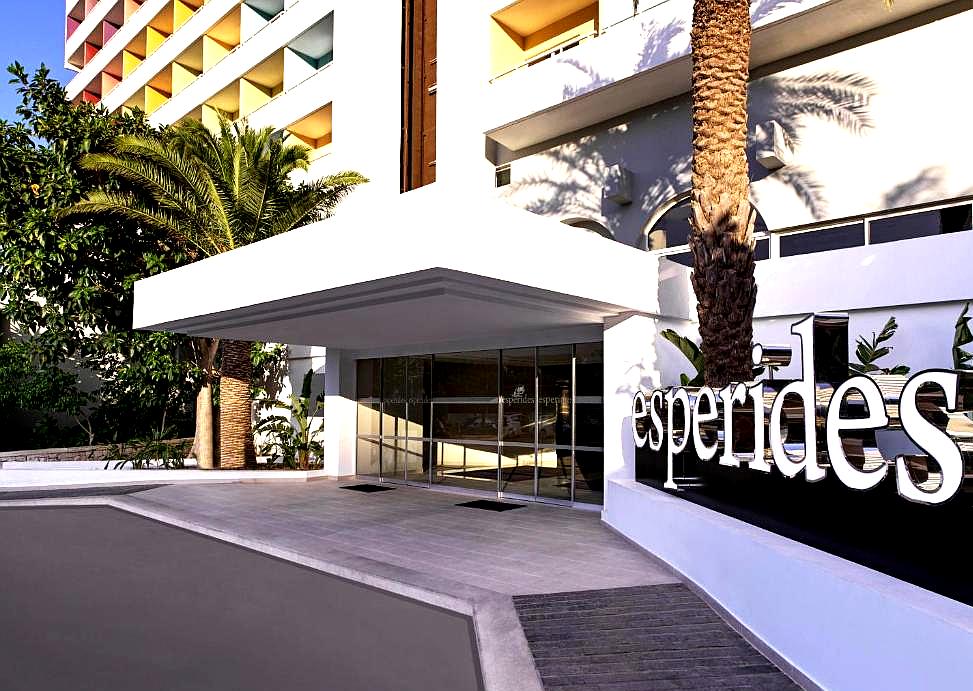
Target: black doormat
x=488, y=505
x=368, y=489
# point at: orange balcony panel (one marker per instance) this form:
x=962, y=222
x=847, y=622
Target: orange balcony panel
x=108, y=82
x=89, y=5
x=130, y=7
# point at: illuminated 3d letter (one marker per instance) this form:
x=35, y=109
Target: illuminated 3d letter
x=804, y=388
x=639, y=411
x=704, y=452
x=930, y=439
x=655, y=408
x=672, y=396
x=876, y=419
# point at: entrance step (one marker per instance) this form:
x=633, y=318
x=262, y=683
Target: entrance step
x=643, y=637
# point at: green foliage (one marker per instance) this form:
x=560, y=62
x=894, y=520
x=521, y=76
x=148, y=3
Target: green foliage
x=67, y=285
x=155, y=451
x=269, y=362
x=962, y=359
x=209, y=192
x=869, y=351
x=293, y=438
x=32, y=395
x=692, y=353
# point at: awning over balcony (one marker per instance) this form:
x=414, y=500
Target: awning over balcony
x=428, y=266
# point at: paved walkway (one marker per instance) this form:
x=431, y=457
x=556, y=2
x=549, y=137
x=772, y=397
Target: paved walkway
x=536, y=549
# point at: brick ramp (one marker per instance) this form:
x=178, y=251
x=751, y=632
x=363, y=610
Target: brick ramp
x=645, y=637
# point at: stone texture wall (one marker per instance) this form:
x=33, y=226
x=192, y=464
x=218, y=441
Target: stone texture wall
x=73, y=454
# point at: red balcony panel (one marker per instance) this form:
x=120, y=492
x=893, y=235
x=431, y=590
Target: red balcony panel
x=90, y=97
x=90, y=51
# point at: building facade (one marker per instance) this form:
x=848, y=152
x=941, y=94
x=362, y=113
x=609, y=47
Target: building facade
x=494, y=298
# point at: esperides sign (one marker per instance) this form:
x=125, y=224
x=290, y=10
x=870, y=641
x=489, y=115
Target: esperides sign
x=837, y=424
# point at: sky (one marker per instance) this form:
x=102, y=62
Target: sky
x=32, y=32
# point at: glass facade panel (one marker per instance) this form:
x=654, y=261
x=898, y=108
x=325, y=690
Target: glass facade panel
x=458, y=464
x=472, y=421
x=822, y=240
x=920, y=224
x=589, y=476
x=554, y=394
x=517, y=387
x=369, y=449
x=554, y=471
x=499, y=421
x=517, y=469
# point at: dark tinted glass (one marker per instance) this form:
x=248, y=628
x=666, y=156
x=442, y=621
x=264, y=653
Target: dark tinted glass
x=369, y=379
x=466, y=375
x=920, y=224
x=761, y=250
x=823, y=240
x=589, y=369
x=554, y=378
x=672, y=229
x=394, y=394
x=517, y=389
x=589, y=476
x=465, y=421
x=589, y=424
x=419, y=381
x=684, y=258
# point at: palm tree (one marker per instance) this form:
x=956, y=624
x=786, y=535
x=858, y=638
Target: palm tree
x=722, y=237
x=212, y=192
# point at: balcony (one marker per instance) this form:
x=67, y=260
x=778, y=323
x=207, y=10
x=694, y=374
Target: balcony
x=645, y=59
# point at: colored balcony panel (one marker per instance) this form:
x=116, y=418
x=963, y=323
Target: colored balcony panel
x=129, y=7
x=76, y=11
x=182, y=76
x=221, y=39
x=262, y=83
x=256, y=14
x=90, y=97
x=226, y=102
x=108, y=82
x=89, y=5
x=153, y=39
x=316, y=45
x=530, y=30
x=314, y=131
x=76, y=59
x=130, y=61
x=154, y=98
x=182, y=11
x=72, y=25
x=90, y=51
x=107, y=31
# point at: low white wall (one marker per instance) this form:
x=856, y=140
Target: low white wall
x=842, y=625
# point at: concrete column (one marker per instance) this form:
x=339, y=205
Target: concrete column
x=339, y=415
x=632, y=362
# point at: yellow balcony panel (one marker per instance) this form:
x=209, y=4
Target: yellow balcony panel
x=153, y=39
x=130, y=61
x=214, y=51
x=530, y=28
x=227, y=101
x=252, y=96
x=154, y=98
x=182, y=77
x=182, y=11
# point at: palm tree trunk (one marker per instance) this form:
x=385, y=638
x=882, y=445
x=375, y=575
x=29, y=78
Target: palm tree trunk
x=236, y=430
x=203, y=441
x=722, y=237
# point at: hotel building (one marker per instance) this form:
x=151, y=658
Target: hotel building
x=494, y=298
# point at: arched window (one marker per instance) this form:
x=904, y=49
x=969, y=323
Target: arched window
x=589, y=225
x=667, y=231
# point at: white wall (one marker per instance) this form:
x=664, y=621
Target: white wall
x=878, y=126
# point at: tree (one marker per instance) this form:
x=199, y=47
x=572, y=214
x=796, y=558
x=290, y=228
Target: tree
x=722, y=220
x=66, y=286
x=211, y=192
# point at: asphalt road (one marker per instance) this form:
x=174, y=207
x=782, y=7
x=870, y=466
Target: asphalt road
x=97, y=598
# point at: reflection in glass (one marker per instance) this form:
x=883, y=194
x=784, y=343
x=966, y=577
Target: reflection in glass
x=418, y=390
x=466, y=375
x=369, y=379
x=369, y=418
x=465, y=465
x=417, y=465
x=517, y=469
x=394, y=396
x=517, y=388
x=589, y=422
x=554, y=468
x=394, y=458
x=368, y=456
x=476, y=421
x=589, y=369
x=822, y=240
x=589, y=476
x=554, y=394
